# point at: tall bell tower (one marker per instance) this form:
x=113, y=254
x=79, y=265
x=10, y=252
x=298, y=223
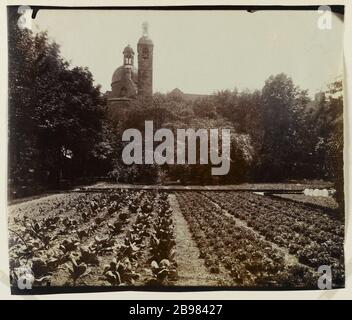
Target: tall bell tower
x=145, y=63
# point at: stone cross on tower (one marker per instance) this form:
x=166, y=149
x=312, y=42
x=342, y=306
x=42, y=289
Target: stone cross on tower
x=145, y=26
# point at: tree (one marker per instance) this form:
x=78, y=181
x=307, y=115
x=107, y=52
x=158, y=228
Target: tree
x=282, y=109
x=327, y=118
x=55, y=112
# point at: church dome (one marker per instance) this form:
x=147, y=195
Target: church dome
x=120, y=73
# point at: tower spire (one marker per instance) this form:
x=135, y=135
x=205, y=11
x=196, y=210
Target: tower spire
x=145, y=27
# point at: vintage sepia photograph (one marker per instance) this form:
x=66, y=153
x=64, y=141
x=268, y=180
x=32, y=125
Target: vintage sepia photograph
x=175, y=148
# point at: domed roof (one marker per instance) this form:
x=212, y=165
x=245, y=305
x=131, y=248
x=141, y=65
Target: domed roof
x=128, y=50
x=145, y=40
x=120, y=72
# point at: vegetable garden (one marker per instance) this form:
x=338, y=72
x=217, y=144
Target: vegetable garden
x=96, y=239
x=123, y=237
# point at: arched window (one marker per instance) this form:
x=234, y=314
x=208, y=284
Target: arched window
x=128, y=60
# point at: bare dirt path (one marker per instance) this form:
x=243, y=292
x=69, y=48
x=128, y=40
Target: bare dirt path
x=191, y=269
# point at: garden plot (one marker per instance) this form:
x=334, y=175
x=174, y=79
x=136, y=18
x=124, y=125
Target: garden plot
x=95, y=239
x=315, y=237
x=152, y=238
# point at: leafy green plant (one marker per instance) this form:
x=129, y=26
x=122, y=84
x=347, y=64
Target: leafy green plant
x=88, y=255
x=162, y=271
x=68, y=245
x=102, y=245
x=120, y=272
x=77, y=270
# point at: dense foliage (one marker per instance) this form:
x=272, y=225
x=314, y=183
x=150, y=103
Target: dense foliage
x=277, y=134
x=57, y=125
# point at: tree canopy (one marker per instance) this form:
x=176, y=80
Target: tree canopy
x=57, y=125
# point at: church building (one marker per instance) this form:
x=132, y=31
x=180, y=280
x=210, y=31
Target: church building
x=128, y=82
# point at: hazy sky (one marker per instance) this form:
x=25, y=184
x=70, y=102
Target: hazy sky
x=202, y=51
